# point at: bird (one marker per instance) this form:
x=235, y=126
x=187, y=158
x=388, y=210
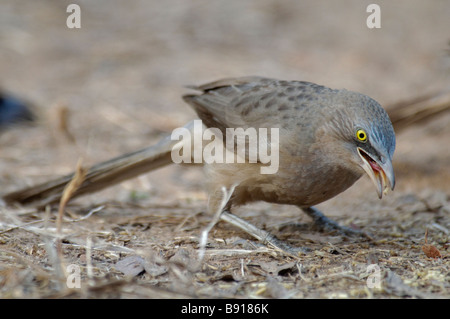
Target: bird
x=328, y=138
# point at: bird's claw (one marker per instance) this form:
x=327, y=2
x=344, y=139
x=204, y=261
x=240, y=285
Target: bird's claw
x=324, y=224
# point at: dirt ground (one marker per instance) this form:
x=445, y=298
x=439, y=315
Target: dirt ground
x=120, y=77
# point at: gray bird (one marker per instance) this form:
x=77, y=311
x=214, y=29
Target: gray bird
x=327, y=140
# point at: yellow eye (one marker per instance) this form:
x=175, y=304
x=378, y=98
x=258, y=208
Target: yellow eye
x=361, y=135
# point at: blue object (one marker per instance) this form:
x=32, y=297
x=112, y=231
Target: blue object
x=13, y=111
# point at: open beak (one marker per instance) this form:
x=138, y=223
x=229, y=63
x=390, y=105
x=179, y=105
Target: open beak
x=382, y=175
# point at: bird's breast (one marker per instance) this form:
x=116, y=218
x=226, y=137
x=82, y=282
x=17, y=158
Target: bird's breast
x=296, y=183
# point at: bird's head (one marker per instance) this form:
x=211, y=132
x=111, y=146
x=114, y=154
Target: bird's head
x=364, y=136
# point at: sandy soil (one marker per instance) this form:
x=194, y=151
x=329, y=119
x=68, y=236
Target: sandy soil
x=120, y=78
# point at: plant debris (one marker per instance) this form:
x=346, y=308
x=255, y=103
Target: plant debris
x=430, y=250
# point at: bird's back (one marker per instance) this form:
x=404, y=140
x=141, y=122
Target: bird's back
x=255, y=102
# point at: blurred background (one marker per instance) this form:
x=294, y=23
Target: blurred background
x=114, y=85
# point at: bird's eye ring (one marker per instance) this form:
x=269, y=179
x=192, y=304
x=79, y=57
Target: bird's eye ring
x=361, y=135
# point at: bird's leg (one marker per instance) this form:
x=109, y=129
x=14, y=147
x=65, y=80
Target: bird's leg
x=325, y=224
x=218, y=202
x=260, y=234
x=225, y=198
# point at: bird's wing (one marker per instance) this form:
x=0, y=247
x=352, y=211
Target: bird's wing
x=227, y=103
x=229, y=82
x=252, y=102
x=256, y=102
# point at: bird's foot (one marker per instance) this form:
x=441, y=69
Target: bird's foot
x=273, y=241
x=263, y=236
x=324, y=224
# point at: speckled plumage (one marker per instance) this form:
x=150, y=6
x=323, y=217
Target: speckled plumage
x=318, y=149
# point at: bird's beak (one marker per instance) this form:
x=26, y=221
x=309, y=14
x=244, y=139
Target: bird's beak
x=382, y=175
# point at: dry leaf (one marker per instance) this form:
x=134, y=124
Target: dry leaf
x=155, y=270
x=186, y=258
x=69, y=190
x=155, y=265
x=131, y=266
x=429, y=250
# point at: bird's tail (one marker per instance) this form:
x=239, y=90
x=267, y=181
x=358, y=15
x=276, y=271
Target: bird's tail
x=101, y=175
